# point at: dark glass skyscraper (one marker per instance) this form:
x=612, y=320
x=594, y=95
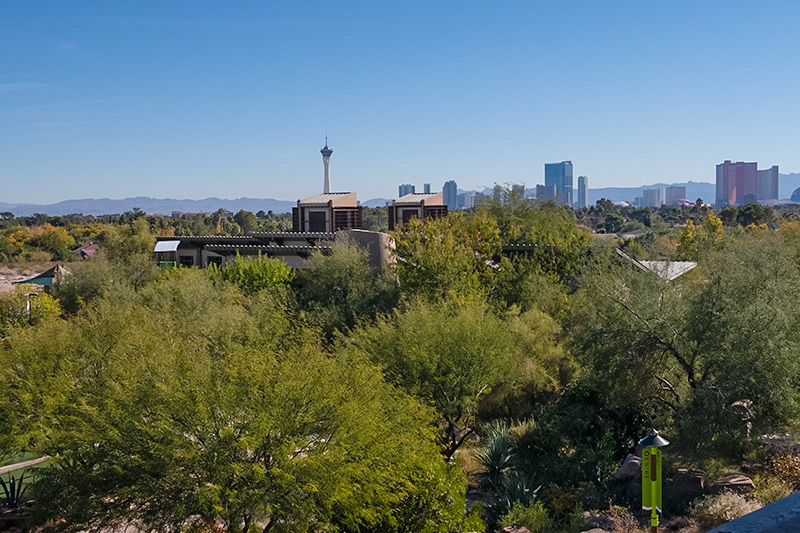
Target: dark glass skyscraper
x=583, y=192
x=560, y=175
x=450, y=195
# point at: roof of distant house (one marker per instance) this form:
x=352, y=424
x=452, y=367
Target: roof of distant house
x=87, y=250
x=666, y=270
x=634, y=234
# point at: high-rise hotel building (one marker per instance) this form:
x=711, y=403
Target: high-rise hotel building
x=450, y=195
x=560, y=175
x=583, y=192
x=741, y=183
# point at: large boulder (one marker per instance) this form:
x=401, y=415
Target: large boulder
x=628, y=478
x=631, y=468
x=686, y=485
x=683, y=487
x=737, y=483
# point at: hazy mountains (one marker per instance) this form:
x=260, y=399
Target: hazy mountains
x=106, y=206
x=165, y=206
x=694, y=190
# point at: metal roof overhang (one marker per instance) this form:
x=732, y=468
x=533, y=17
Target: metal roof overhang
x=166, y=246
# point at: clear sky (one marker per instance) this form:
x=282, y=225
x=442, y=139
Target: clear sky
x=191, y=99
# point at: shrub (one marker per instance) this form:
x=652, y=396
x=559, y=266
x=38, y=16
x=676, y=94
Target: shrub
x=770, y=489
x=786, y=467
x=252, y=274
x=623, y=521
x=716, y=509
x=14, y=308
x=533, y=517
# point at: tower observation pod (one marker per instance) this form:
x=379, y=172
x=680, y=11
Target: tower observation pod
x=326, y=163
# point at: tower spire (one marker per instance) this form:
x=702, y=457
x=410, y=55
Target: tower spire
x=326, y=164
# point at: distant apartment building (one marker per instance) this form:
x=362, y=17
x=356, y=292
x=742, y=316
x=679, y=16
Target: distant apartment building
x=767, y=184
x=546, y=193
x=450, y=195
x=736, y=183
x=583, y=192
x=741, y=183
x=673, y=194
x=560, y=175
x=426, y=188
x=651, y=197
x=405, y=189
x=467, y=200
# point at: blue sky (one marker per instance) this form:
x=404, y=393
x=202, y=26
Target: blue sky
x=229, y=99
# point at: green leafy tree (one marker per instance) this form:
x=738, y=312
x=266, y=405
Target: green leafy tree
x=338, y=289
x=252, y=274
x=688, y=241
x=712, y=230
x=25, y=306
x=715, y=346
x=246, y=220
x=613, y=223
x=449, y=356
x=755, y=214
x=186, y=404
x=448, y=257
x=121, y=242
x=728, y=215
x=556, y=243
x=376, y=218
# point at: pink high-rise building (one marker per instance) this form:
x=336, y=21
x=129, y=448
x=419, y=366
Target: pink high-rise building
x=742, y=183
x=737, y=183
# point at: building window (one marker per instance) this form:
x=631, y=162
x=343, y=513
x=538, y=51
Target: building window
x=186, y=260
x=214, y=261
x=316, y=221
x=408, y=214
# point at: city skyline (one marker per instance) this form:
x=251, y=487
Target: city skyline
x=198, y=100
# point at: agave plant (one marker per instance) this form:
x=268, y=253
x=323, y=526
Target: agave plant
x=503, y=478
x=13, y=491
x=496, y=455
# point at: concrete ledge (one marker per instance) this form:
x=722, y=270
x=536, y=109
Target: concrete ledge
x=24, y=464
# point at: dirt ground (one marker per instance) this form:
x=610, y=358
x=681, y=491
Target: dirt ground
x=11, y=273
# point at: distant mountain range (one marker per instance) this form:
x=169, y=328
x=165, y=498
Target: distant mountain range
x=694, y=190
x=165, y=206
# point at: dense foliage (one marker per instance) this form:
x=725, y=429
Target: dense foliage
x=509, y=343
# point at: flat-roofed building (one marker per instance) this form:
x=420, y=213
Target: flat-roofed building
x=673, y=194
x=651, y=197
x=737, y=183
x=416, y=205
x=583, y=192
x=767, y=184
x=406, y=188
x=327, y=212
x=560, y=175
x=293, y=248
x=546, y=193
